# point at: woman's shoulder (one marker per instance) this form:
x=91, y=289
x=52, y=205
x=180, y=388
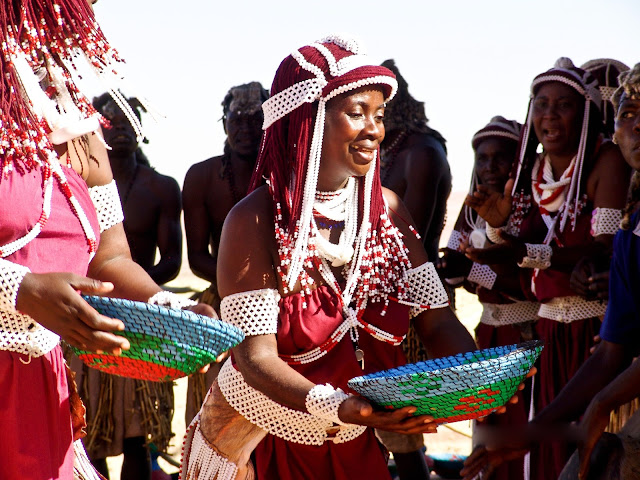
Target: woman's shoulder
x=255, y=211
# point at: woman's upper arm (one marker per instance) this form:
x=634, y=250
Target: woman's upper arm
x=612, y=175
x=99, y=166
x=402, y=219
x=247, y=242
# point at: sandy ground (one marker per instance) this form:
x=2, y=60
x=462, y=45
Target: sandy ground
x=453, y=438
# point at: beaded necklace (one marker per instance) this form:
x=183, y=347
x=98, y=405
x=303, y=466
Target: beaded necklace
x=388, y=155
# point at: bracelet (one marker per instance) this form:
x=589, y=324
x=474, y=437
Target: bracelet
x=168, y=299
x=482, y=275
x=11, y=275
x=324, y=401
x=493, y=234
x=538, y=256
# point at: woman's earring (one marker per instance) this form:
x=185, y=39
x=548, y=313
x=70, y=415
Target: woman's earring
x=614, y=139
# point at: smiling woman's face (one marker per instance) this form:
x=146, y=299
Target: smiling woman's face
x=353, y=131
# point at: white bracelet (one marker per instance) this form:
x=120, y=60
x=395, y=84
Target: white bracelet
x=107, y=204
x=11, y=275
x=493, y=234
x=324, y=401
x=482, y=275
x=538, y=256
x=168, y=299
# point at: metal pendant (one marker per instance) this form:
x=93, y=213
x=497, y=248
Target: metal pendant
x=360, y=357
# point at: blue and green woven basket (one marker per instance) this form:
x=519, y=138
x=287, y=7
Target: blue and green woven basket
x=166, y=343
x=461, y=387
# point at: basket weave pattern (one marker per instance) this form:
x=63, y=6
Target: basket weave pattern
x=166, y=344
x=460, y=387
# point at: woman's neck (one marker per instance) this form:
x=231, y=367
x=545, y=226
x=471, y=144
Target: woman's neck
x=560, y=162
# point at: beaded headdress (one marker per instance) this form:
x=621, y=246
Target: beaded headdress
x=587, y=86
x=49, y=50
x=294, y=118
x=606, y=71
x=629, y=82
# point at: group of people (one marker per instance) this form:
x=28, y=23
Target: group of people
x=318, y=229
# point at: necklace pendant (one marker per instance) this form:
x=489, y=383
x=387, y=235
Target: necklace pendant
x=360, y=357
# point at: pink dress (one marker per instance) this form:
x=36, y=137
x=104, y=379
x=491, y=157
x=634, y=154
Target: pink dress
x=302, y=329
x=36, y=439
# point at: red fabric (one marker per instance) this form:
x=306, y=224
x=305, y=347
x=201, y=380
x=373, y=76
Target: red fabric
x=35, y=416
x=301, y=330
x=36, y=440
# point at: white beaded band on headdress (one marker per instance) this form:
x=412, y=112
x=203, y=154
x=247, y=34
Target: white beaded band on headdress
x=586, y=86
x=309, y=91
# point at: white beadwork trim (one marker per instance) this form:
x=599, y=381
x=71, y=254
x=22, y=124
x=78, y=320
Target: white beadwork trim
x=202, y=462
x=286, y=423
x=168, y=299
x=454, y=240
x=538, y=256
x=500, y=314
x=493, y=234
x=324, y=401
x=11, y=275
x=107, y=204
x=570, y=309
x=482, y=275
x=425, y=290
x=605, y=221
x=254, y=312
x=82, y=467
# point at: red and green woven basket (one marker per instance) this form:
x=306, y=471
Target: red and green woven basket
x=166, y=344
x=461, y=387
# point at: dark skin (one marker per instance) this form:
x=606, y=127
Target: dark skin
x=420, y=175
x=208, y=198
x=151, y=202
x=248, y=255
x=606, y=185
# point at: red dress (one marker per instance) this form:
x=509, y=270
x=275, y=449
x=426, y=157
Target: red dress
x=36, y=439
x=302, y=329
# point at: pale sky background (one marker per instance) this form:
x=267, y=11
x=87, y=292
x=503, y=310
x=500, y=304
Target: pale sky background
x=467, y=60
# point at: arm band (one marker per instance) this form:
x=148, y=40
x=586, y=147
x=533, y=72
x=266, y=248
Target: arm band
x=538, y=256
x=11, y=275
x=324, y=401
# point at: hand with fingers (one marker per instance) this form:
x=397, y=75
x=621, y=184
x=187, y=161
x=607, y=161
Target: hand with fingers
x=358, y=410
x=52, y=299
x=590, y=279
x=510, y=252
x=483, y=461
x=452, y=264
x=590, y=429
x=494, y=207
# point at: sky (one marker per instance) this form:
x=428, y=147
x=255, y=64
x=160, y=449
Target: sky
x=466, y=60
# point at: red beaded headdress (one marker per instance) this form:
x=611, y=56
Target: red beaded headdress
x=49, y=47
x=290, y=156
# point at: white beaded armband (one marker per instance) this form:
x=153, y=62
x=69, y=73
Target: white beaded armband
x=494, y=235
x=324, y=401
x=106, y=201
x=168, y=299
x=254, y=312
x=482, y=275
x=605, y=221
x=538, y=256
x=11, y=275
x=454, y=241
x=425, y=289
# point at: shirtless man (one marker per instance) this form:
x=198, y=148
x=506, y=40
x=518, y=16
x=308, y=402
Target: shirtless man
x=211, y=188
x=151, y=201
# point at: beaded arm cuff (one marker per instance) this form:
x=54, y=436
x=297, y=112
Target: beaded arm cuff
x=425, y=289
x=538, y=256
x=171, y=300
x=255, y=312
x=482, y=275
x=324, y=401
x=454, y=241
x=11, y=275
x=605, y=221
x=106, y=201
x=493, y=234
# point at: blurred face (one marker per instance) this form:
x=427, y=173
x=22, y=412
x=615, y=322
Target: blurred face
x=353, y=131
x=244, y=131
x=494, y=157
x=120, y=137
x=557, y=118
x=628, y=130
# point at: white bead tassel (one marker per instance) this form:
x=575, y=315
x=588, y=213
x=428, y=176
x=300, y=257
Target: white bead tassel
x=523, y=146
x=301, y=246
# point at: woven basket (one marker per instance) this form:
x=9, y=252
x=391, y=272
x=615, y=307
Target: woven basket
x=460, y=387
x=166, y=343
